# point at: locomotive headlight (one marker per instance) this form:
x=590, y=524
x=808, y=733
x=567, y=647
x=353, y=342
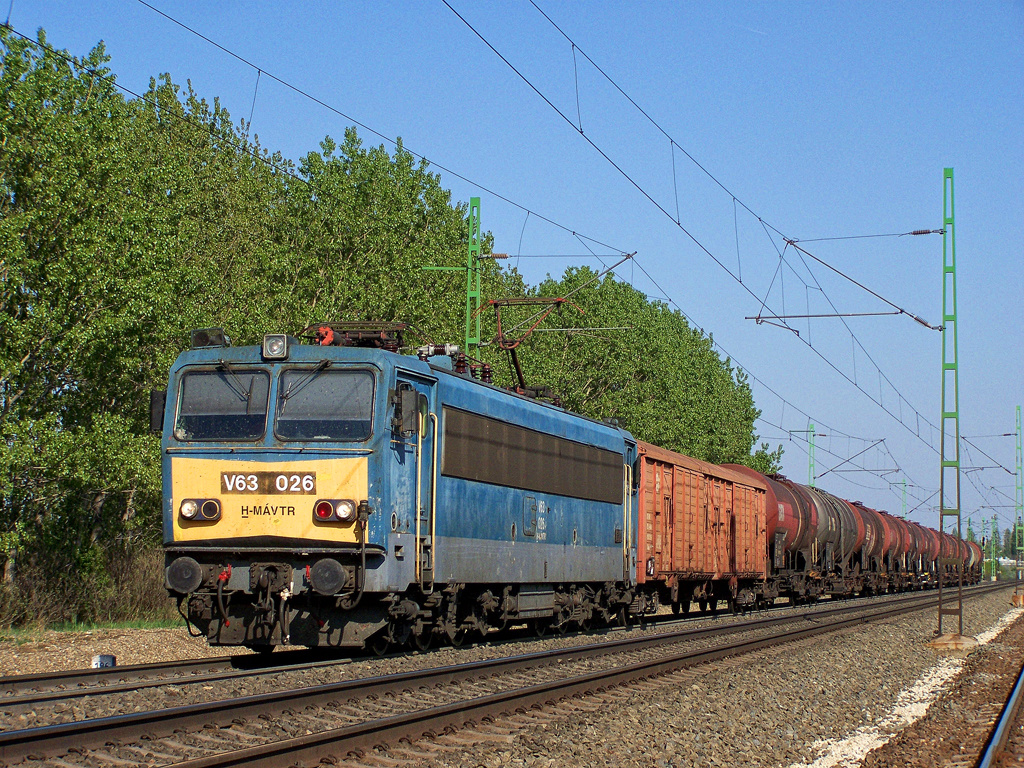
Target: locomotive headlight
x=323, y=510
x=275, y=346
x=210, y=509
x=189, y=509
x=346, y=510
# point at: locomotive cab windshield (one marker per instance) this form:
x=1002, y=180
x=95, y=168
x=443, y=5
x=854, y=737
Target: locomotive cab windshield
x=223, y=404
x=325, y=404
x=231, y=403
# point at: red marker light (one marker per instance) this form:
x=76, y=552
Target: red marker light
x=323, y=510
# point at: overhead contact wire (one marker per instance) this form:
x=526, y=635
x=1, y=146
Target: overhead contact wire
x=368, y=129
x=529, y=211
x=719, y=183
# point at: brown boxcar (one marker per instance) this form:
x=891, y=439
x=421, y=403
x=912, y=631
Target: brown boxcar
x=703, y=531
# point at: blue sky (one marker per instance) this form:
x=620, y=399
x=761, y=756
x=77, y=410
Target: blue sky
x=822, y=119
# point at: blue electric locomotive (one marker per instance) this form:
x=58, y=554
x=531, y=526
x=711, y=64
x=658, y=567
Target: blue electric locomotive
x=340, y=494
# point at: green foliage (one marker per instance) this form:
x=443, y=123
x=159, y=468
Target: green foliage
x=125, y=223
x=659, y=377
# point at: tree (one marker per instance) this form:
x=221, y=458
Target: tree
x=125, y=223
x=661, y=379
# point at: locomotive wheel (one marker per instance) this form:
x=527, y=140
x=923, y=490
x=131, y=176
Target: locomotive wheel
x=423, y=640
x=380, y=643
x=459, y=638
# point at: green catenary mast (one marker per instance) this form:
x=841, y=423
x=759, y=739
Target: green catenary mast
x=993, y=542
x=810, y=455
x=472, y=337
x=473, y=279
x=1018, y=520
x=949, y=425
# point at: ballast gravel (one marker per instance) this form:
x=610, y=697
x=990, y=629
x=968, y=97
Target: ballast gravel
x=779, y=707
x=774, y=708
x=181, y=691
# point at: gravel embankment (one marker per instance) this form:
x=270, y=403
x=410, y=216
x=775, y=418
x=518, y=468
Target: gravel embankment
x=768, y=709
x=52, y=651
x=183, y=692
x=956, y=727
x=774, y=708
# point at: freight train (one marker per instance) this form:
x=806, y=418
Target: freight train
x=324, y=490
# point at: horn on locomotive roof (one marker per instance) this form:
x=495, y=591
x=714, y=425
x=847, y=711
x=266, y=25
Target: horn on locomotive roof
x=377, y=335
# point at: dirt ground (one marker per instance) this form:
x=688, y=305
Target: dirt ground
x=49, y=651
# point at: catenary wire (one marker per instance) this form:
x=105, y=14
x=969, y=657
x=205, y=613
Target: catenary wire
x=286, y=170
x=511, y=202
x=283, y=168
x=527, y=210
x=690, y=235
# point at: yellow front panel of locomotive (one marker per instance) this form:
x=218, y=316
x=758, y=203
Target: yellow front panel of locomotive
x=266, y=499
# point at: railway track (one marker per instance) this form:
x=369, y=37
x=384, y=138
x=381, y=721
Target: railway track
x=21, y=692
x=306, y=724
x=1005, y=745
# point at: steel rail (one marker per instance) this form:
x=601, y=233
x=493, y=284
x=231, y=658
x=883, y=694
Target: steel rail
x=996, y=743
x=353, y=739
x=12, y=684
x=192, y=673
x=18, y=692
x=47, y=741
x=145, y=675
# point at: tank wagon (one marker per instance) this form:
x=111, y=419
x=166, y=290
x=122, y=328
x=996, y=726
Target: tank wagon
x=340, y=494
x=819, y=544
x=336, y=493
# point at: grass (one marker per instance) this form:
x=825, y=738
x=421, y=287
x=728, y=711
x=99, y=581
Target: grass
x=34, y=633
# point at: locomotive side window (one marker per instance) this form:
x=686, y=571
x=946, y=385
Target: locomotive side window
x=224, y=404
x=325, y=405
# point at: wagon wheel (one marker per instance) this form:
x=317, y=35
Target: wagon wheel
x=541, y=627
x=703, y=605
x=675, y=609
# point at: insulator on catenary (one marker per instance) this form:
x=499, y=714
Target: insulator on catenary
x=430, y=350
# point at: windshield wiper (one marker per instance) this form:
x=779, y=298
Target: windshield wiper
x=295, y=387
x=242, y=392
